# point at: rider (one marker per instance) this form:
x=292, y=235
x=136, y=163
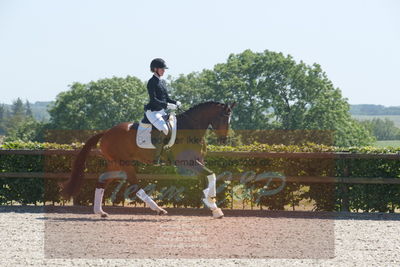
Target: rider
x=159, y=101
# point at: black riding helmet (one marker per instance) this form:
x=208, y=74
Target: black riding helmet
x=158, y=63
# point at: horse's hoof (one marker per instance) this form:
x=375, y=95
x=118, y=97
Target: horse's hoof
x=162, y=212
x=217, y=213
x=101, y=213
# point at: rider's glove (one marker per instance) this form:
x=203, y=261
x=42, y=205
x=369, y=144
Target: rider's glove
x=178, y=104
x=171, y=106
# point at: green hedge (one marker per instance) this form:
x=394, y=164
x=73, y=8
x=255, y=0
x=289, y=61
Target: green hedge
x=188, y=193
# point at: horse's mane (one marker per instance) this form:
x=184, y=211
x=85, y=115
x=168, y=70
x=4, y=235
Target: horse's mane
x=201, y=105
x=194, y=112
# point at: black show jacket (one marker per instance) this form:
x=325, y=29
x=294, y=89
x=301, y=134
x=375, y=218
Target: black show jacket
x=158, y=94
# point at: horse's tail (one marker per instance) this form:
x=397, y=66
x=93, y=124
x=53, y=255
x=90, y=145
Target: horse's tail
x=72, y=186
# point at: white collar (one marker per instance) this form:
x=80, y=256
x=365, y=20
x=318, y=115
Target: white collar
x=158, y=77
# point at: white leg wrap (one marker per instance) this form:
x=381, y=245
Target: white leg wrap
x=209, y=196
x=148, y=200
x=98, y=199
x=217, y=213
x=212, y=192
x=210, y=202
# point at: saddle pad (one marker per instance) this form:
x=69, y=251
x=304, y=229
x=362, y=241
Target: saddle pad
x=143, y=134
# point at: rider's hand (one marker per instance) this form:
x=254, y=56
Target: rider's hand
x=171, y=106
x=178, y=104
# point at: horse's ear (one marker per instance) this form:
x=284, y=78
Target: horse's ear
x=233, y=105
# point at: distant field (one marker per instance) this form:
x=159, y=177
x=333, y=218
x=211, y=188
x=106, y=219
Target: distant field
x=394, y=143
x=394, y=118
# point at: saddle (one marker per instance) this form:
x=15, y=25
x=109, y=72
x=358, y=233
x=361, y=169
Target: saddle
x=145, y=128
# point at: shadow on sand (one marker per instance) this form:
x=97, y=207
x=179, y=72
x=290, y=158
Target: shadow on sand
x=201, y=212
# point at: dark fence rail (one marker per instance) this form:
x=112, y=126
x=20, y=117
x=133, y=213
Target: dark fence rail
x=312, y=155
x=236, y=177
x=234, y=154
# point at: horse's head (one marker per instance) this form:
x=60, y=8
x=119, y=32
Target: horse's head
x=204, y=115
x=220, y=122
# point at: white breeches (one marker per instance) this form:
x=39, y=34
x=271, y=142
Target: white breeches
x=155, y=117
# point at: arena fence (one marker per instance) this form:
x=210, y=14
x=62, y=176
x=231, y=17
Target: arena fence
x=346, y=184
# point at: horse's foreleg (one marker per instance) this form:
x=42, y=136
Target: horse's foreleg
x=150, y=202
x=210, y=192
x=210, y=197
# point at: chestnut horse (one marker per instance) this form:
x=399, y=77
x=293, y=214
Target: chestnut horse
x=118, y=144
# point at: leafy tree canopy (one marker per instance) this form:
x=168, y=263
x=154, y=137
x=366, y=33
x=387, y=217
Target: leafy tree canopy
x=99, y=104
x=273, y=91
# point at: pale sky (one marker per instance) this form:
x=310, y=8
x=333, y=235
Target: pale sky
x=45, y=45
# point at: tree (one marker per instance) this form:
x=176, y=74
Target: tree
x=17, y=108
x=100, y=104
x=2, y=111
x=274, y=92
x=382, y=129
x=28, y=110
x=2, y=118
x=370, y=109
x=28, y=130
x=16, y=117
x=19, y=124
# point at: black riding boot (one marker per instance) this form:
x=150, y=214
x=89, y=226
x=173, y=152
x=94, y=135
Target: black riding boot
x=158, y=142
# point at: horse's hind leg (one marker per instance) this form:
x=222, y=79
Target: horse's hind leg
x=112, y=173
x=150, y=202
x=140, y=193
x=98, y=197
x=143, y=196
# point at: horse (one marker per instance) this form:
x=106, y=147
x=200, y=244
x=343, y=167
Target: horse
x=118, y=144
